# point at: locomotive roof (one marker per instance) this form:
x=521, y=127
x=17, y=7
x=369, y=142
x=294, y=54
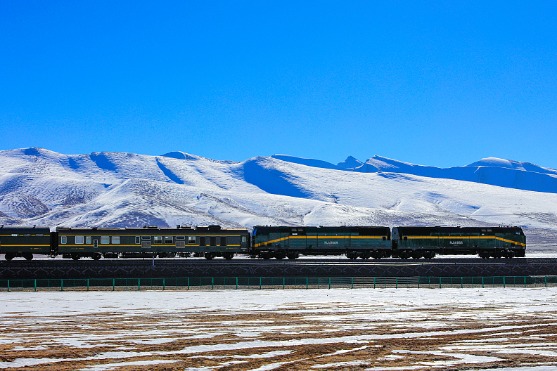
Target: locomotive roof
x=289, y=228
x=268, y=228
x=457, y=229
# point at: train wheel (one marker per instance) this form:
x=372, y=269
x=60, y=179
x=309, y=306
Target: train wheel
x=228, y=255
x=352, y=255
x=96, y=256
x=292, y=255
x=75, y=257
x=429, y=255
x=209, y=256
x=376, y=255
x=279, y=255
x=9, y=257
x=28, y=256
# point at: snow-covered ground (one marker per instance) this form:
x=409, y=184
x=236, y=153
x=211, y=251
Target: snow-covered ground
x=381, y=329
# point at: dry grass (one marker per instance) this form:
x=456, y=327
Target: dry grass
x=297, y=337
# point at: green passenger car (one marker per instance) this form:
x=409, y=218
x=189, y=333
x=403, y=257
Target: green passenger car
x=210, y=242
x=24, y=242
x=280, y=242
x=497, y=242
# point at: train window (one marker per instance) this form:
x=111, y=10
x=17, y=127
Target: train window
x=137, y=240
x=105, y=240
x=63, y=240
x=244, y=240
x=168, y=239
x=191, y=239
x=157, y=239
x=213, y=241
x=201, y=241
x=116, y=240
x=180, y=238
x=88, y=240
x=223, y=241
x=145, y=238
x=79, y=240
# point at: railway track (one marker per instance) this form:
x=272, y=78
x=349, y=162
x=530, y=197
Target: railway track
x=302, y=261
x=325, y=267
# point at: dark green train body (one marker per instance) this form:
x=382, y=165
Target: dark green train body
x=497, y=242
x=281, y=242
x=209, y=242
x=265, y=242
x=24, y=242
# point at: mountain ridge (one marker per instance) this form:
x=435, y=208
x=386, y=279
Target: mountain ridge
x=490, y=170
x=116, y=189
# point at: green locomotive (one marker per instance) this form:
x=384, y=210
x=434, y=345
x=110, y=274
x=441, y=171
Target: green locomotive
x=24, y=242
x=265, y=242
x=356, y=242
x=210, y=242
x=496, y=242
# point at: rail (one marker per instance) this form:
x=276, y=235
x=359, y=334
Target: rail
x=235, y=283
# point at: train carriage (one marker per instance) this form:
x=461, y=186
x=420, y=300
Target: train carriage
x=24, y=242
x=210, y=242
x=265, y=242
x=284, y=241
x=497, y=242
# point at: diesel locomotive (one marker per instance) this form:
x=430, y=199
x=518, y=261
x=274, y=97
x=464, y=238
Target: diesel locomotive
x=379, y=242
x=265, y=242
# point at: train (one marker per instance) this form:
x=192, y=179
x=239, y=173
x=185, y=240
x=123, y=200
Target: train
x=266, y=242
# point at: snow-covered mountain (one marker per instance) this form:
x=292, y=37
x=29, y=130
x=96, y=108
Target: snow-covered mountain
x=41, y=187
x=494, y=171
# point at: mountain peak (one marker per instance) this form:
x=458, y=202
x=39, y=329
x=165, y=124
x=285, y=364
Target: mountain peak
x=305, y=161
x=38, y=152
x=181, y=155
x=495, y=162
x=350, y=163
x=385, y=163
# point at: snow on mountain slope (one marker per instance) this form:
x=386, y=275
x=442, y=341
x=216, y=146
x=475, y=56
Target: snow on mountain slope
x=41, y=187
x=494, y=171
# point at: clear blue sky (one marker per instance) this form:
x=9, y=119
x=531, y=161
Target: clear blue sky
x=441, y=83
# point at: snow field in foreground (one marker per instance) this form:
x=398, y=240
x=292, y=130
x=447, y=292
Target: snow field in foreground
x=381, y=329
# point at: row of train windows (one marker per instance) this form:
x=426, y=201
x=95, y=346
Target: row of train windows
x=115, y=240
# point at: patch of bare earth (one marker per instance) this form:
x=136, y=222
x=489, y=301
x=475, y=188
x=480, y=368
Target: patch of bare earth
x=296, y=337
